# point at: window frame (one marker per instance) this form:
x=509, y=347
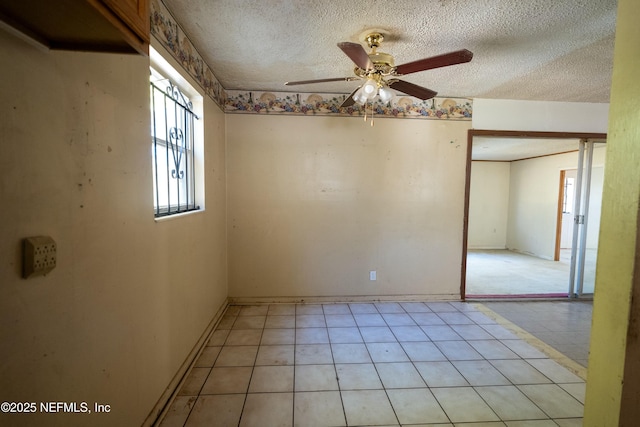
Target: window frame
x=183, y=93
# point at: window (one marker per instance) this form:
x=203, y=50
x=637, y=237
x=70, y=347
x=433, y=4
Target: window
x=175, y=137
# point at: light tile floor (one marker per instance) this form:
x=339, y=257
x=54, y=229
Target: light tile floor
x=564, y=325
x=392, y=364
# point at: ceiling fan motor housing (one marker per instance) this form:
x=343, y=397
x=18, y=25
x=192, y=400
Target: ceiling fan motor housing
x=382, y=62
x=383, y=65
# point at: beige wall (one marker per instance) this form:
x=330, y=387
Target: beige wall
x=316, y=203
x=521, y=115
x=533, y=202
x=130, y=297
x=488, y=205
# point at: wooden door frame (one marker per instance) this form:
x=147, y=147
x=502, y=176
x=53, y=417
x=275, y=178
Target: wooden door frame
x=559, y=220
x=471, y=133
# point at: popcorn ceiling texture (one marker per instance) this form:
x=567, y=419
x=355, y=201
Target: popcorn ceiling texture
x=533, y=50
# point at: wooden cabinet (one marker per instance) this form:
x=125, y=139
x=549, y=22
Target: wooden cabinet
x=134, y=13
x=120, y=26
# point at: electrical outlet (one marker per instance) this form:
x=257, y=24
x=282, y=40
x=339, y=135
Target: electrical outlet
x=38, y=256
x=373, y=275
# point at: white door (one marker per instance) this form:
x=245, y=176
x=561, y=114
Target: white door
x=568, y=189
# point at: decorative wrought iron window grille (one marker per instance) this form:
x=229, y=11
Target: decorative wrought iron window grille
x=172, y=131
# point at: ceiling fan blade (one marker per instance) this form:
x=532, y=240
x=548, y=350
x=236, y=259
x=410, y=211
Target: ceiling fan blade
x=451, y=58
x=412, y=89
x=349, y=101
x=357, y=54
x=335, y=79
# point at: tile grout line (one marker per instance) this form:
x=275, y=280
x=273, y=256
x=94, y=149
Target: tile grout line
x=246, y=395
x=376, y=367
x=295, y=344
x=335, y=370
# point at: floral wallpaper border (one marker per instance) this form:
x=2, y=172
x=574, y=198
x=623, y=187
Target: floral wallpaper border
x=329, y=105
x=167, y=32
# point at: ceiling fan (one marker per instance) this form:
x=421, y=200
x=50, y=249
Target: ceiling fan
x=378, y=70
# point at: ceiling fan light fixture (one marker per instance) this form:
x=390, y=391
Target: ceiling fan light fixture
x=360, y=97
x=370, y=88
x=386, y=94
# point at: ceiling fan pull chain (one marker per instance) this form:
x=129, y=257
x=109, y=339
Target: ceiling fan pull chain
x=372, y=113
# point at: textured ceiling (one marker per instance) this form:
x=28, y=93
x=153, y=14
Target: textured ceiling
x=511, y=149
x=554, y=50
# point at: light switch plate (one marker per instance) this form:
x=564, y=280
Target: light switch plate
x=38, y=256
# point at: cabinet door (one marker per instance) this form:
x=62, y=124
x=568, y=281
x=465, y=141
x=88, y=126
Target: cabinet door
x=135, y=13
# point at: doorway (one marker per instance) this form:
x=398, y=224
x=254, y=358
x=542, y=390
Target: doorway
x=566, y=199
x=530, y=267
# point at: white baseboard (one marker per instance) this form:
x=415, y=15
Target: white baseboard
x=342, y=299
x=486, y=248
